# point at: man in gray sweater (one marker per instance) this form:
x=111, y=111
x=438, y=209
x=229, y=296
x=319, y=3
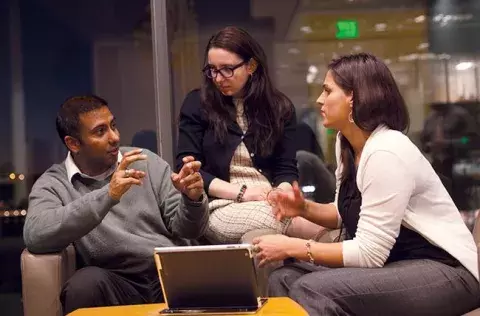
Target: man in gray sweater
x=114, y=204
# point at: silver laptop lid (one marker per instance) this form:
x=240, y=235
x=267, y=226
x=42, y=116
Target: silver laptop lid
x=218, y=276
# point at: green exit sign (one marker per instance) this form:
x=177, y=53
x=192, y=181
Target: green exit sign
x=347, y=29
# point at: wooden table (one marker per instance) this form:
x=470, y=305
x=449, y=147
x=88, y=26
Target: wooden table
x=277, y=306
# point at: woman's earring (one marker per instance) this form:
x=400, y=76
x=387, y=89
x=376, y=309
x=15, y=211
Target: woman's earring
x=350, y=117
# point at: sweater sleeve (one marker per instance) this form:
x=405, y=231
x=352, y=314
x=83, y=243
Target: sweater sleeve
x=183, y=217
x=51, y=226
x=386, y=186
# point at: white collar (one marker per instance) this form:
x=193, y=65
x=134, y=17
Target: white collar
x=72, y=169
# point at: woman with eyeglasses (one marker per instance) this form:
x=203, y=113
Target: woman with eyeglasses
x=242, y=130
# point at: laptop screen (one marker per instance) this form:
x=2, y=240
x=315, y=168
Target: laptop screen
x=211, y=278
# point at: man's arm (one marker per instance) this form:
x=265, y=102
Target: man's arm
x=183, y=217
x=51, y=226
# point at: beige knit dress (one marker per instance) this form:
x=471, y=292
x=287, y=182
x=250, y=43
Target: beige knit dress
x=230, y=220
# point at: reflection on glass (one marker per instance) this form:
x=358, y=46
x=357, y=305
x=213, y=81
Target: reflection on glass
x=49, y=52
x=302, y=37
x=462, y=81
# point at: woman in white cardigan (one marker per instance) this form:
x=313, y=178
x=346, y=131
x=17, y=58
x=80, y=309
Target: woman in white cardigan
x=407, y=250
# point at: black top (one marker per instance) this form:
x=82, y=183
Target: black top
x=197, y=139
x=409, y=244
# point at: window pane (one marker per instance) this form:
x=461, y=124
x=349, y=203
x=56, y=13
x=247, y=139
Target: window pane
x=50, y=50
x=301, y=37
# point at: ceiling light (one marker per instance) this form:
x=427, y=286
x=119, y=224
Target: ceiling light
x=419, y=19
x=427, y=56
x=293, y=51
x=310, y=77
x=443, y=56
x=409, y=57
x=306, y=29
x=422, y=46
x=313, y=69
x=445, y=19
x=357, y=48
x=464, y=65
x=380, y=27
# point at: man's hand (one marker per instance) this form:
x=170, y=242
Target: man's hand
x=188, y=180
x=123, y=178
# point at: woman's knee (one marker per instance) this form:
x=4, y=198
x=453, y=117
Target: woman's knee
x=315, y=298
x=277, y=283
x=282, y=279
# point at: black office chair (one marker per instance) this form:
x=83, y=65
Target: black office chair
x=315, y=179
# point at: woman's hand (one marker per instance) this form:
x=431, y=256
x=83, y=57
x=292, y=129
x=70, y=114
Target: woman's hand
x=271, y=248
x=287, y=203
x=256, y=193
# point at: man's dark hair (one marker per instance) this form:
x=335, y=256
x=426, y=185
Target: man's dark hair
x=68, y=121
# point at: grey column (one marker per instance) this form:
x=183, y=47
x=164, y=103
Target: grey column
x=162, y=79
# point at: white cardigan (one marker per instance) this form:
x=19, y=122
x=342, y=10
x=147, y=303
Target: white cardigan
x=399, y=186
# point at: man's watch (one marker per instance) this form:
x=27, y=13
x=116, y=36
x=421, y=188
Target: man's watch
x=197, y=201
x=200, y=199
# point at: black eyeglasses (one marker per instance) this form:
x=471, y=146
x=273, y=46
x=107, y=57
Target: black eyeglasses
x=226, y=72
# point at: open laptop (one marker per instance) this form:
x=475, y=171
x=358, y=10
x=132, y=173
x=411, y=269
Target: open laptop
x=206, y=280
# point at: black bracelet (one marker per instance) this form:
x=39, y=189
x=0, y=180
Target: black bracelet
x=241, y=193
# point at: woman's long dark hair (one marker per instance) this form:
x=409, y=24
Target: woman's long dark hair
x=266, y=108
x=376, y=98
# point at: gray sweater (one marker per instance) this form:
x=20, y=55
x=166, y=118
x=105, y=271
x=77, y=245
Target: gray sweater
x=81, y=212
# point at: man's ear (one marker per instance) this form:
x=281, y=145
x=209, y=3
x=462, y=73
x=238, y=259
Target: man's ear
x=72, y=143
x=252, y=66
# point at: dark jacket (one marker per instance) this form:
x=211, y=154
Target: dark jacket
x=197, y=139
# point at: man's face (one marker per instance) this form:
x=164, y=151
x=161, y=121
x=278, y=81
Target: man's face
x=99, y=138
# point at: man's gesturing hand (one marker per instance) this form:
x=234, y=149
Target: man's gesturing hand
x=123, y=178
x=188, y=180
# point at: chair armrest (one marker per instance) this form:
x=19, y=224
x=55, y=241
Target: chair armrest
x=43, y=277
x=473, y=313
